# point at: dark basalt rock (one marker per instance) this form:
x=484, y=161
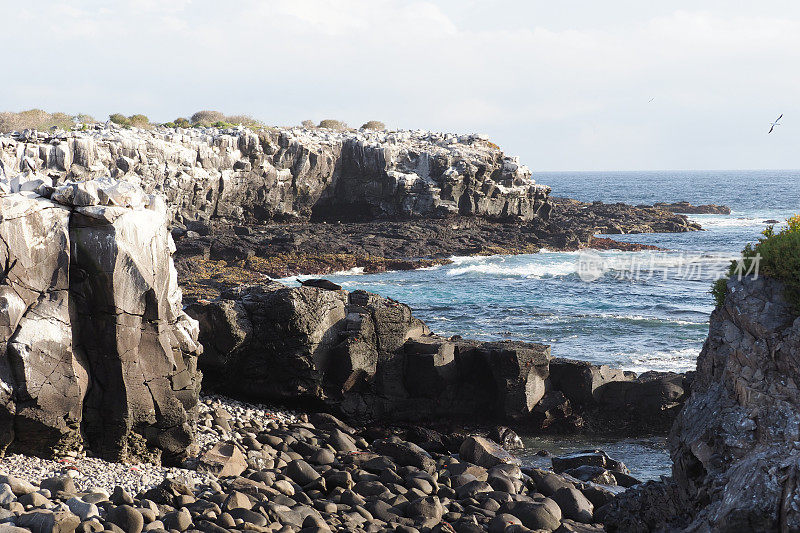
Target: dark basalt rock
x=689, y=209
x=365, y=354
x=371, y=360
x=280, y=250
x=609, y=399
x=321, y=284
x=589, y=458
x=733, y=444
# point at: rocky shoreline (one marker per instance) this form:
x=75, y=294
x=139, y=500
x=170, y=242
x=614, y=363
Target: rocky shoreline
x=266, y=470
x=369, y=359
x=247, y=206
x=212, y=257
x=103, y=361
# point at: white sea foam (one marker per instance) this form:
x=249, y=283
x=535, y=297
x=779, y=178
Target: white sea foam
x=681, y=360
x=533, y=270
x=738, y=221
x=355, y=271
x=559, y=264
x=642, y=318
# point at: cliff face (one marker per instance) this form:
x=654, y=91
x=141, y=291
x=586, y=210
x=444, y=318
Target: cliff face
x=239, y=176
x=736, y=443
x=94, y=345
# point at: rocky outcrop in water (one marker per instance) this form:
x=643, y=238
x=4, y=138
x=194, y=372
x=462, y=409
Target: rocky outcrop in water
x=240, y=176
x=95, y=348
x=371, y=359
x=366, y=354
x=602, y=399
x=689, y=209
x=734, y=444
x=211, y=258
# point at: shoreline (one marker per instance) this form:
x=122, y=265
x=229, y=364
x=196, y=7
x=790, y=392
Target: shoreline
x=203, y=278
x=227, y=256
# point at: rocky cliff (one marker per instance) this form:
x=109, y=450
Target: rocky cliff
x=735, y=443
x=239, y=176
x=95, y=349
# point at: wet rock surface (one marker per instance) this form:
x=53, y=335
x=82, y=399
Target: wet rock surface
x=97, y=351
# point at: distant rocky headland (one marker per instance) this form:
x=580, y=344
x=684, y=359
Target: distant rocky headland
x=247, y=206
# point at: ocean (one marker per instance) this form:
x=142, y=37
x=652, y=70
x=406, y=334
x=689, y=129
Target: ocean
x=644, y=311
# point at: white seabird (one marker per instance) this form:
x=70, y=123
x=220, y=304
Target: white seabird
x=773, y=124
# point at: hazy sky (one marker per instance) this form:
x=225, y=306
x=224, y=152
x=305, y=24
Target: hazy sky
x=566, y=85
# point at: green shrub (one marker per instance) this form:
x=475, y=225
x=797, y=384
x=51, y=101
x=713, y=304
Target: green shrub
x=244, y=120
x=376, y=125
x=718, y=290
x=776, y=255
x=308, y=124
x=332, y=124
x=181, y=122
x=120, y=119
x=207, y=117
x=139, y=121
x=36, y=119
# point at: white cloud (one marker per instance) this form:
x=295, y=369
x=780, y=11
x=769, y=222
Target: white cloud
x=541, y=83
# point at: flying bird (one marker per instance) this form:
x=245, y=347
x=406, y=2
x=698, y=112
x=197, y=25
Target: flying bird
x=773, y=124
x=651, y=100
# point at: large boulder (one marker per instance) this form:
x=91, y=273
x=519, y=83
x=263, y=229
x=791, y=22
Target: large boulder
x=94, y=341
x=270, y=341
x=580, y=380
x=484, y=452
x=367, y=355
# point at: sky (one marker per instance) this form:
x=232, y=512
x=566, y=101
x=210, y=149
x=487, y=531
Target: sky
x=568, y=85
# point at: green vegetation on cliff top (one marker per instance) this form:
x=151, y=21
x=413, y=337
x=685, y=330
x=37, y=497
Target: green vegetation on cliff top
x=776, y=255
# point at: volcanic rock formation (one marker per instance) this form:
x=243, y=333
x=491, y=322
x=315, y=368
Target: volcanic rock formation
x=94, y=346
x=240, y=176
x=371, y=359
x=735, y=443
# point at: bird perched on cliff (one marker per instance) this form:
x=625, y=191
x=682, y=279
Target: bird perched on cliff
x=773, y=124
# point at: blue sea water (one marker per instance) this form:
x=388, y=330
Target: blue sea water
x=647, y=311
